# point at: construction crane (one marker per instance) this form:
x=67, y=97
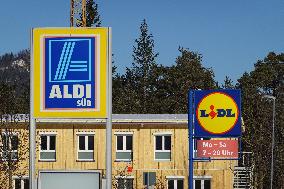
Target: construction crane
x=78, y=13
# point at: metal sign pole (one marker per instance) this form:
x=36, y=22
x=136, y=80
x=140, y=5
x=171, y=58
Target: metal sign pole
x=109, y=118
x=32, y=139
x=190, y=130
x=32, y=126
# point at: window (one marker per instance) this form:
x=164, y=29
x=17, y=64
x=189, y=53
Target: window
x=124, y=147
x=9, y=148
x=86, y=147
x=20, y=183
x=124, y=183
x=47, y=147
x=149, y=179
x=195, y=150
x=202, y=183
x=162, y=147
x=175, y=182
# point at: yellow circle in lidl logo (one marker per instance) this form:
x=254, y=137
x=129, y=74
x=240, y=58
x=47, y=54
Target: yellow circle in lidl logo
x=217, y=113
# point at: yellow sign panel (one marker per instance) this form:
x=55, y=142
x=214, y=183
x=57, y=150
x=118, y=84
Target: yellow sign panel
x=70, y=72
x=217, y=113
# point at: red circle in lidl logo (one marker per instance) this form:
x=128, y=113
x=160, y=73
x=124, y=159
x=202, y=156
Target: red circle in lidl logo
x=217, y=113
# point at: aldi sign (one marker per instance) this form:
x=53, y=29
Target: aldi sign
x=70, y=72
x=217, y=113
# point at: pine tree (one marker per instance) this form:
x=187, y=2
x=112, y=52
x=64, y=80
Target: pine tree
x=139, y=80
x=228, y=83
x=144, y=61
x=144, y=57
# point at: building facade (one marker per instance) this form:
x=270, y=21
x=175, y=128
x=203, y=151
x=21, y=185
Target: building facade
x=147, y=151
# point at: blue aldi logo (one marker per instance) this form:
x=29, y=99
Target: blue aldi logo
x=69, y=68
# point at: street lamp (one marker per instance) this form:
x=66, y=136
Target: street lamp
x=272, y=145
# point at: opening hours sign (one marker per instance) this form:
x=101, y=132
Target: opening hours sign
x=217, y=149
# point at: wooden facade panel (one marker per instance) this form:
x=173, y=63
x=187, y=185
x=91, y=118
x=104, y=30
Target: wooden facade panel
x=143, y=153
x=220, y=176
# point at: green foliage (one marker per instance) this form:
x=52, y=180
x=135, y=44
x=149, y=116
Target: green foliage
x=175, y=81
x=165, y=89
x=143, y=53
x=7, y=99
x=138, y=81
x=6, y=59
x=228, y=83
x=266, y=78
x=150, y=88
x=92, y=14
x=14, y=82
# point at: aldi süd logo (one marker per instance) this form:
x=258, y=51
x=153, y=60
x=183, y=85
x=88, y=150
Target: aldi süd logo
x=69, y=68
x=217, y=113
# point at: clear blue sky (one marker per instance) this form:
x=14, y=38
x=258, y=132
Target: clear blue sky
x=230, y=34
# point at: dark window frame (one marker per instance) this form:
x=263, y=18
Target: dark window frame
x=49, y=147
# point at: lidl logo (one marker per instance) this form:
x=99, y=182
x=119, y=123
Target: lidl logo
x=69, y=72
x=217, y=113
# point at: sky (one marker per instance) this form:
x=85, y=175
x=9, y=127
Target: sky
x=230, y=35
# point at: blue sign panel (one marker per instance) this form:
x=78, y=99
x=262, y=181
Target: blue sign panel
x=69, y=73
x=217, y=113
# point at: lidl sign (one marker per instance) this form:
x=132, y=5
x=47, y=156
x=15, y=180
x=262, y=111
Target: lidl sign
x=70, y=72
x=217, y=113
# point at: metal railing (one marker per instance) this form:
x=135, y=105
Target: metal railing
x=243, y=171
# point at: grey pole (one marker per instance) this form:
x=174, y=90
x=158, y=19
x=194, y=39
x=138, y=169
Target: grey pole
x=109, y=118
x=32, y=125
x=32, y=175
x=273, y=135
